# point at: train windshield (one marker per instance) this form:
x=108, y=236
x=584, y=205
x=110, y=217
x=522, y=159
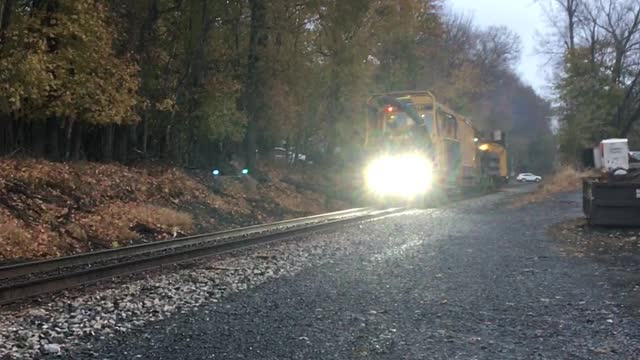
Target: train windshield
x=408, y=131
x=399, y=122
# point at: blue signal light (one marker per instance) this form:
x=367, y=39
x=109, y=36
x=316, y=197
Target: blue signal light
x=245, y=171
x=216, y=172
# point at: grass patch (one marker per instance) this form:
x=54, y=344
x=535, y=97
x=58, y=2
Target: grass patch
x=12, y=233
x=50, y=209
x=162, y=218
x=12, y=240
x=121, y=223
x=564, y=180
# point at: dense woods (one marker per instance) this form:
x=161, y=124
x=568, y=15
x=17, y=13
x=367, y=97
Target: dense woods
x=595, y=47
x=194, y=82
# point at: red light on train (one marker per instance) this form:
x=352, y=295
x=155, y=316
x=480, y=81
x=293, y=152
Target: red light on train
x=389, y=109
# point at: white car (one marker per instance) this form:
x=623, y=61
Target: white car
x=279, y=154
x=527, y=177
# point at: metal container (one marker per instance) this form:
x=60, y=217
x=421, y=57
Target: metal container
x=611, y=203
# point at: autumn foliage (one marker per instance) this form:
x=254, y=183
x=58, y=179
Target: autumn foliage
x=197, y=82
x=52, y=209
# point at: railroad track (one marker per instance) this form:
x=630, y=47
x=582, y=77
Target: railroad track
x=25, y=280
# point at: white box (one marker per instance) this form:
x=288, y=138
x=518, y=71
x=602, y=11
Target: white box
x=615, y=154
x=497, y=135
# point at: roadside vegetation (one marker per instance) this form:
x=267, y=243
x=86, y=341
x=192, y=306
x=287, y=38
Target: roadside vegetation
x=593, y=47
x=52, y=209
x=565, y=179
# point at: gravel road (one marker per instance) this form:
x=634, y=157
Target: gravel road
x=477, y=280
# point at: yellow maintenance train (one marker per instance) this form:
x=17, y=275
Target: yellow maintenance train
x=417, y=146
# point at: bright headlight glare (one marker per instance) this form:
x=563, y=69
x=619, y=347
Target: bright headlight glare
x=403, y=175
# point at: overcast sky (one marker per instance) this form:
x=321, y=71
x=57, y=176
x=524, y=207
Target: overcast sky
x=526, y=18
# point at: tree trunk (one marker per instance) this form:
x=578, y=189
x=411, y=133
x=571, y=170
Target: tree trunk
x=68, y=140
x=11, y=134
x=254, y=87
x=38, y=135
x=4, y=138
x=332, y=114
x=53, y=142
x=122, y=137
x=571, y=12
x=298, y=149
x=6, y=135
x=77, y=142
x=167, y=142
x=132, y=141
x=251, y=138
x=7, y=9
x=107, y=143
x=20, y=125
x=145, y=134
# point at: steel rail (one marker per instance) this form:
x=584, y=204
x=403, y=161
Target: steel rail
x=40, y=266
x=26, y=289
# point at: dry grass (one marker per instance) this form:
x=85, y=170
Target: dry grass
x=120, y=223
x=67, y=208
x=19, y=241
x=12, y=233
x=563, y=180
x=52, y=209
x=567, y=179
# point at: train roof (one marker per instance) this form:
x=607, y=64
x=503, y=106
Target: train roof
x=398, y=95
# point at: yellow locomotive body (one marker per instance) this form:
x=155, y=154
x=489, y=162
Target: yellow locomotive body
x=413, y=122
x=492, y=160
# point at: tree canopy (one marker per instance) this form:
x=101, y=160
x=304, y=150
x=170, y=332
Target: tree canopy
x=595, y=47
x=194, y=81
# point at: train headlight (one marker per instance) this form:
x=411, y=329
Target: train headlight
x=402, y=175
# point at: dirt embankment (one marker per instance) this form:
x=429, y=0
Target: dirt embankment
x=54, y=209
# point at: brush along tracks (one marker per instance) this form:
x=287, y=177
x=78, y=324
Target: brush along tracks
x=21, y=281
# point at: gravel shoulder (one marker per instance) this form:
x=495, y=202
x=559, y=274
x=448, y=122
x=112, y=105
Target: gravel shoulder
x=617, y=249
x=476, y=280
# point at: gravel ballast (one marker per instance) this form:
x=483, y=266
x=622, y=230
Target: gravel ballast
x=476, y=280
x=127, y=305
